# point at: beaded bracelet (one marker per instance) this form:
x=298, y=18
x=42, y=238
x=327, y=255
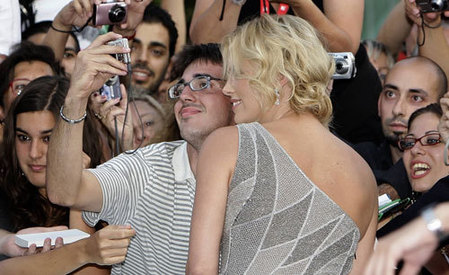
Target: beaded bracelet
x=71, y=121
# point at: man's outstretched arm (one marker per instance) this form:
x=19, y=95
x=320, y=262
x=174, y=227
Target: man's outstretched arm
x=68, y=184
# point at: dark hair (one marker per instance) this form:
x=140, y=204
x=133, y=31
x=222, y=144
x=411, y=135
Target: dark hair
x=433, y=108
x=190, y=53
x=25, y=51
x=155, y=14
x=42, y=27
x=27, y=206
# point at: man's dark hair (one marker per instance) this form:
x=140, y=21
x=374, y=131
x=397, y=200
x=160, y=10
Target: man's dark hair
x=42, y=27
x=24, y=52
x=191, y=53
x=154, y=14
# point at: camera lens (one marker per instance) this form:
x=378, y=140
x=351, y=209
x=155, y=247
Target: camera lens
x=117, y=13
x=437, y=5
x=341, y=66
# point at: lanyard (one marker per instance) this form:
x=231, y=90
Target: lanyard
x=265, y=8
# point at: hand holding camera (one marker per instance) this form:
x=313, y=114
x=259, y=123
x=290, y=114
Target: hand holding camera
x=430, y=10
x=98, y=63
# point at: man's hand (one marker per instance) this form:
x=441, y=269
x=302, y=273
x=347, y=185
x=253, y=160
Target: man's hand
x=95, y=65
x=414, y=14
x=443, y=126
x=108, y=111
x=9, y=247
x=109, y=245
x=135, y=15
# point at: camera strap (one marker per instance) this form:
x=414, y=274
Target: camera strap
x=265, y=8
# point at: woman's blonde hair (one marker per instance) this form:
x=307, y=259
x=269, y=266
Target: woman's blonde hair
x=282, y=47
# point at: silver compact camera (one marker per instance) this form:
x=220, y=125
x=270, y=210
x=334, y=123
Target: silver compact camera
x=111, y=88
x=432, y=5
x=122, y=57
x=344, y=65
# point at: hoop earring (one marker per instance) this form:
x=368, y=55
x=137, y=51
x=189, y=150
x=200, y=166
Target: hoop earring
x=278, y=100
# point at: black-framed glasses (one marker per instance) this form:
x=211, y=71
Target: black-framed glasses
x=198, y=83
x=429, y=139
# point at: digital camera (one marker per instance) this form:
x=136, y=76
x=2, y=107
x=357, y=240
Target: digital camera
x=432, y=5
x=109, y=13
x=122, y=57
x=111, y=89
x=344, y=65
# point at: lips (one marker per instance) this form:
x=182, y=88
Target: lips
x=189, y=111
x=141, y=75
x=419, y=169
x=37, y=168
x=398, y=127
x=235, y=103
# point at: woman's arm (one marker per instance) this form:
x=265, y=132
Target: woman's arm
x=395, y=29
x=341, y=22
x=76, y=221
x=215, y=167
x=206, y=27
x=177, y=11
x=107, y=246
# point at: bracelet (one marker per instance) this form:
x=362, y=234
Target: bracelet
x=433, y=223
x=58, y=30
x=71, y=121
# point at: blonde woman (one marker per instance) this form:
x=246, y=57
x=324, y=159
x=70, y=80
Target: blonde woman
x=278, y=192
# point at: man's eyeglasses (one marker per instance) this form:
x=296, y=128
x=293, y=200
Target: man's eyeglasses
x=196, y=84
x=429, y=139
x=18, y=84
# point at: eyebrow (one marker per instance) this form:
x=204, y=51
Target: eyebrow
x=182, y=80
x=42, y=132
x=414, y=91
x=151, y=44
x=69, y=49
x=425, y=133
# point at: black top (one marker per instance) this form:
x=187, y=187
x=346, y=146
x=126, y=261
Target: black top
x=438, y=193
x=355, y=103
x=379, y=159
x=4, y=219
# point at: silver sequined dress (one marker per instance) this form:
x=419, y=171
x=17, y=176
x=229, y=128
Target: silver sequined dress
x=277, y=220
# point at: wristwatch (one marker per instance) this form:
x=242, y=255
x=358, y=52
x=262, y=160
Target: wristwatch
x=238, y=2
x=433, y=224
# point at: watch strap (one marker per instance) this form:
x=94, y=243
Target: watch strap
x=433, y=223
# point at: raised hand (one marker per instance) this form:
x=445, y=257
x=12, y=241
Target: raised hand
x=95, y=65
x=443, y=126
x=109, y=111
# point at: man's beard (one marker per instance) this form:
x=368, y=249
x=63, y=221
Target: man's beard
x=391, y=136
x=153, y=86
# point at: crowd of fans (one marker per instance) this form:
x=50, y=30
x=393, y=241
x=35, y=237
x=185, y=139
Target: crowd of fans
x=260, y=140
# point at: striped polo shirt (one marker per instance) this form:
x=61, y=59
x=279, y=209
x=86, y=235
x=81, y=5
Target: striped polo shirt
x=152, y=190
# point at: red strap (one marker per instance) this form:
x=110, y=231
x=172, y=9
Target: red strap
x=265, y=8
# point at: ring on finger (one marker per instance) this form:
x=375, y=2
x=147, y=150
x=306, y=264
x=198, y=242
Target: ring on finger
x=97, y=115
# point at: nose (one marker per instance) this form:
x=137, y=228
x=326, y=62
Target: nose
x=37, y=149
x=187, y=94
x=399, y=107
x=227, y=89
x=138, y=136
x=142, y=55
x=417, y=149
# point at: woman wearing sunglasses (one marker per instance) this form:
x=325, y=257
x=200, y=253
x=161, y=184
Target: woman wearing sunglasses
x=428, y=175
